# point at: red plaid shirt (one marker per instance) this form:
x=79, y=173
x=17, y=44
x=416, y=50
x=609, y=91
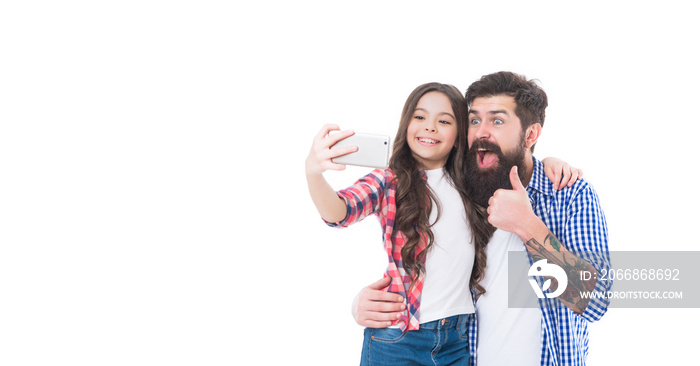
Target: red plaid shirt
x=375, y=193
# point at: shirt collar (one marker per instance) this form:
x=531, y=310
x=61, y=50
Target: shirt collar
x=539, y=181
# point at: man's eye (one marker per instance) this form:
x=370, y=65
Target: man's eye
x=475, y=122
x=498, y=122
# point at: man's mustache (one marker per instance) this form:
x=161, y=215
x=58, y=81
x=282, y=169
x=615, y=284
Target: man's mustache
x=483, y=144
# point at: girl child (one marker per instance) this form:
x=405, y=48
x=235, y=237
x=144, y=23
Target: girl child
x=435, y=237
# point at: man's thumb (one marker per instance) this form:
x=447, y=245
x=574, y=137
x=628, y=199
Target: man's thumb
x=515, y=179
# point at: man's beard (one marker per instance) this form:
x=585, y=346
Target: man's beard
x=483, y=182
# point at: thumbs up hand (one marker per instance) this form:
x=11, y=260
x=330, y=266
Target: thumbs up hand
x=510, y=209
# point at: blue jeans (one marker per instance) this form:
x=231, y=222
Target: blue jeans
x=440, y=342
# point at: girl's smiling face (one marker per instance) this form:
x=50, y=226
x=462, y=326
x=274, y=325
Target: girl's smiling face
x=432, y=131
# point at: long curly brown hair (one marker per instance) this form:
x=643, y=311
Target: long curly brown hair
x=414, y=197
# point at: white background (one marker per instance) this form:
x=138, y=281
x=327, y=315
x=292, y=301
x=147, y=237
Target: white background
x=153, y=207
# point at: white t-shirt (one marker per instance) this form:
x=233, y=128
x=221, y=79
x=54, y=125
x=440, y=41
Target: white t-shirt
x=506, y=336
x=450, y=260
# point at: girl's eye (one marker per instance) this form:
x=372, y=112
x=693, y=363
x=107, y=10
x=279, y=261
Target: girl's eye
x=419, y=117
x=497, y=122
x=445, y=122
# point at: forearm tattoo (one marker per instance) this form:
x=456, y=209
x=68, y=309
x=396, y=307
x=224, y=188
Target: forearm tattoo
x=571, y=264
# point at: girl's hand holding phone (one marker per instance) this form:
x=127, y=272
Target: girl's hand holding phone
x=319, y=159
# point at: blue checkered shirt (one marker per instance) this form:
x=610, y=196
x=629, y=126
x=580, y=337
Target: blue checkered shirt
x=575, y=217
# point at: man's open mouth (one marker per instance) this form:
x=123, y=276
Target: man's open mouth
x=486, y=158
